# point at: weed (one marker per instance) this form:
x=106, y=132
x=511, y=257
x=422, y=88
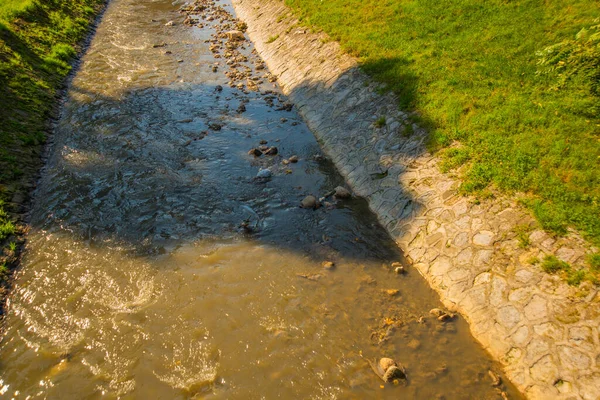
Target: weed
x=522, y=232
x=12, y=247
x=575, y=277
x=380, y=122
x=533, y=261
x=552, y=265
x=272, y=38
x=594, y=262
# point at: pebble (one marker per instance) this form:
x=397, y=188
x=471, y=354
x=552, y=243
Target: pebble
x=496, y=380
x=309, y=202
x=342, y=193
x=328, y=265
x=235, y=35
x=271, y=151
x=398, y=268
x=255, y=152
x=170, y=23
x=264, y=174
x=441, y=314
x=392, y=292
x=293, y=159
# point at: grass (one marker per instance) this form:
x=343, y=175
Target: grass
x=510, y=90
x=573, y=276
x=38, y=41
x=380, y=122
x=272, y=38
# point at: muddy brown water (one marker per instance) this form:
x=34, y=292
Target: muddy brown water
x=137, y=281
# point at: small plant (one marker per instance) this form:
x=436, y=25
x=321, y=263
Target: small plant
x=273, y=38
x=574, y=278
x=7, y=228
x=408, y=130
x=552, y=265
x=594, y=262
x=522, y=232
x=380, y=122
x=533, y=261
x=3, y=270
x=12, y=246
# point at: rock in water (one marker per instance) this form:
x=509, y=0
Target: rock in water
x=293, y=159
x=388, y=370
x=272, y=151
x=264, y=174
x=235, y=35
x=309, y=202
x=255, y=152
x=328, y=265
x=342, y=193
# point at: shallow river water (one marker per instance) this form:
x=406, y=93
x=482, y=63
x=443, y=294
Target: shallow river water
x=138, y=282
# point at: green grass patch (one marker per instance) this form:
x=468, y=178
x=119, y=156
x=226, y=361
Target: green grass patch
x=272, y=38
x=516, y=83
x=552, y=265
x=38, y=41
x=380, y=122
x=573, y=276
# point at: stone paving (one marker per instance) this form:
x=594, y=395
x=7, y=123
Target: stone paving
x=545, y=332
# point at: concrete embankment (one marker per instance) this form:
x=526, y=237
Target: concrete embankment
x=544, y=331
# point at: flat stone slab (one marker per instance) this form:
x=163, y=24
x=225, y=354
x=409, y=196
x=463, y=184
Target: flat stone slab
x=544, y=331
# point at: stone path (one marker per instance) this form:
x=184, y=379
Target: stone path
x=544, y=331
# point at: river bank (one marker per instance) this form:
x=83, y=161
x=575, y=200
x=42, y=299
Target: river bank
x=40, y=44
x=472, y=252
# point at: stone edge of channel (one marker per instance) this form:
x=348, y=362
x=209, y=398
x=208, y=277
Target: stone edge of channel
x=544, y=332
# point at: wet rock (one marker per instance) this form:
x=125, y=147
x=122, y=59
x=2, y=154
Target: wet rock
x=159, y=45
x=441, y=314
x=309, y=202
x=328, y=265
x=241, y=108
x=214, y=126
x=392, y=292
x=235, y=35
x=342, y=193
x=272, y=151
x=293, y=159
x=171, y=23
x=245, y=226
x=285, y=162
x=264, y=174
x=215, y=68
x=255, y=152
x=310, y=277
x=285, y=107
x=398, y=268
x=388, y=370
x=496, y=380
x=283, y=120
x=263, y=141
x=219, y=88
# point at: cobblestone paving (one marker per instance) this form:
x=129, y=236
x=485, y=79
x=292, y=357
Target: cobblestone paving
x=544, y=331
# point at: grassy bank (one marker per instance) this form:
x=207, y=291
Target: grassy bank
x=38, y=41
x=510, y=90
